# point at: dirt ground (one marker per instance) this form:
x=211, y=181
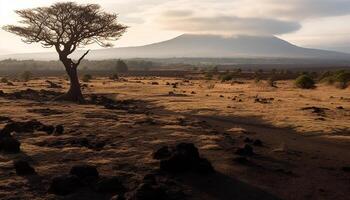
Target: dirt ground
x=305, y=136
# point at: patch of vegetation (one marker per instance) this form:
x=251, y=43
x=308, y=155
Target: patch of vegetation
x=305, y=82
x=87, y=78
x=227, y=77
x=341, y=79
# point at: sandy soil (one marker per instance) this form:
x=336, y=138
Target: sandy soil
x=302, y=156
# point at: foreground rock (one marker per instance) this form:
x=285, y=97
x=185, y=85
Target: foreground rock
x=23, y=168
x=9, y=144
x=183, y=158
x=64, y=184
x=155, y=187
x=110, y=185
x=84, y=171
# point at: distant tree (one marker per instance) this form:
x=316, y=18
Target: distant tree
x=121, y=66
x=67, y=26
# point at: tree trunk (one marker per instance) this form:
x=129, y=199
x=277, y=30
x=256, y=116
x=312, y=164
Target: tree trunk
x=74, y=93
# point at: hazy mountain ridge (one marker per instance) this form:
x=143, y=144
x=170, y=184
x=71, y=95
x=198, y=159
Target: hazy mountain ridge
x=210, y=46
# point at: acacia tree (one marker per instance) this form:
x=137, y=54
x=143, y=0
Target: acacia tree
x=67, y=26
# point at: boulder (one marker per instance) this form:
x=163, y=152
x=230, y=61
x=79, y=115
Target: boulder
x=247, y=150
x=162, y=153
x=64, y=184
x=84, y=171
x=183, y=158
x=9, y=144
x=23, y=168
x=110, y=185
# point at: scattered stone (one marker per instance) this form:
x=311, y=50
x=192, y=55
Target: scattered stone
x=21, y=127
x=64, y=184
x=23, y=168
x=247, y=150
x=184, y=158
x=316, y=110
x=84, y=171
x=193, y=92
x=155, y=83
x=110, y=185
x=340, y=108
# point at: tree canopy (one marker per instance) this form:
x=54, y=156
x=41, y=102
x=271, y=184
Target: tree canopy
x=67, y=26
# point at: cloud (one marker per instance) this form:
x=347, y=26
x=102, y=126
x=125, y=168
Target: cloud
x=225, y=24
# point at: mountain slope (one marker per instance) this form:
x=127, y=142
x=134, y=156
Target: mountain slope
x=205, y=46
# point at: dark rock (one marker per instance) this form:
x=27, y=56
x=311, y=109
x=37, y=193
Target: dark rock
x=9, y=144
x=45, y=111
x=346, y=169
x=23, y=168
x=4, y=119
x=64, y=184
x=21, y=127
x=162, y=153
x=248, y=140
x=204, y=166
x=247, y=150
x=241, y=160
x=49, y=129
x=84, y=171
x=149, y=192
x=59, y=129
x=257, y=142
x=340, y=108
x=185, y=158
x=110, y=185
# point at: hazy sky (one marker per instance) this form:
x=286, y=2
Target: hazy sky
x=309, y=23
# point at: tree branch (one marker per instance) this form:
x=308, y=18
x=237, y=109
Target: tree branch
x=81, y=58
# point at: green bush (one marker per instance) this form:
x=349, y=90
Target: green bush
x=305, y=82
x=87, y=78
x=342, y=79
x=227, y=77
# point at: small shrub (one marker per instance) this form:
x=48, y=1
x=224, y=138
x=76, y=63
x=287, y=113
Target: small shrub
x=227, y=77
x=26, y=76
x=4, y=80
x=342, y=79
x=305, y=82
x=87, y=78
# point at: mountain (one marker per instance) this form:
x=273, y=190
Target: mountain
x=204, y=46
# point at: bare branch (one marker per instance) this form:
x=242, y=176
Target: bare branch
x=81, y=58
